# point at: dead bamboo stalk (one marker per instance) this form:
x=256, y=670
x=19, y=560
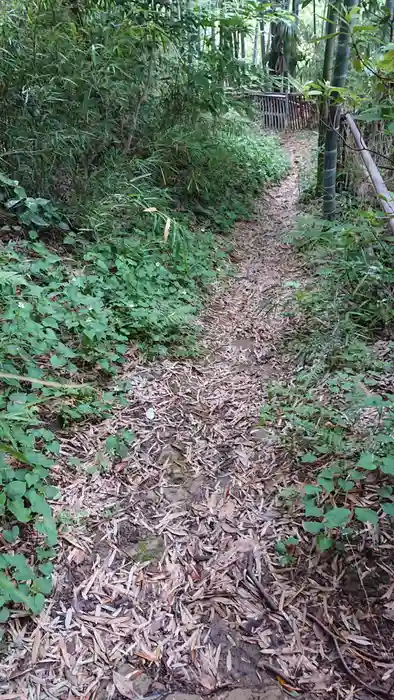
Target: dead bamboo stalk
x=386, y=200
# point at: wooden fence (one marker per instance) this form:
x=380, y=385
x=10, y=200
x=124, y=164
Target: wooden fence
x=283, y=111
x=363, y=148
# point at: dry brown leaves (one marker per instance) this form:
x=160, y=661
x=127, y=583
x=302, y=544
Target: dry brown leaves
x=152, y=565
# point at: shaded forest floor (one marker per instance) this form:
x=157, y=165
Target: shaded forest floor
x=152, y=593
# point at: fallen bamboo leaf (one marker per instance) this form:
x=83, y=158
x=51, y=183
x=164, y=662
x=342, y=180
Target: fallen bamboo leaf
x=123, y=685
x=43, y=382
x=166, y=230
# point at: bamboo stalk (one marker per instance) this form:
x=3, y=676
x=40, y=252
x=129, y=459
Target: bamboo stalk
x=386, y=200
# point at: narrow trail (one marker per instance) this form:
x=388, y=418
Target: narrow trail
x=153, y=558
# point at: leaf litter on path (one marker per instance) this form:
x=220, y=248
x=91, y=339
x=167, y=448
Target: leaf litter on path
x=151, y=577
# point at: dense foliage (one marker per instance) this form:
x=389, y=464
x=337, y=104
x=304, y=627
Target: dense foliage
x=122, y=158
x=338, y=411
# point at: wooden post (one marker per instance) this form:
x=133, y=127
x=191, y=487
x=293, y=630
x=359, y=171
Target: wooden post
x=386, y=200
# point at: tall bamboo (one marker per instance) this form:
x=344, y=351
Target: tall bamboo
x=388, y=30
x=262, y=42
x=329, y=49
x=255, y=43
x=334, y=110
x=213, y=27
x=243, y=46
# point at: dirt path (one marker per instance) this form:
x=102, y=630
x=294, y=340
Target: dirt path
x=153, y=567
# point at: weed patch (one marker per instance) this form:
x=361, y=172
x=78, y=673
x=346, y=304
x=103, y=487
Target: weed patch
x=122, y=157
x=73, y=303
x=337, y=415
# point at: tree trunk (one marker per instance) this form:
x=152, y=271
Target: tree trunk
x=323, y=102
x=388, y=31
x=276, y=51
x=213, y=28
x=262, y=42
x=334, y=111
x=236, y=44
x=221, y=26
x=243, y=48
x=314, y=17
x=255, y=43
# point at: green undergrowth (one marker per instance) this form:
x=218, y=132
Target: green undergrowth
x=337, y=411
x=74, y=301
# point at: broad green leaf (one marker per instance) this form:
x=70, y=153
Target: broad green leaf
x=356, y=475
x=111, y=443
x=387, y=465
x=51, y=492
x=280, y=548
x=337, y=517
x=46, y=569
x=11, y=535
x=57, y=361
x=308, y=458
x=327, y=484
x=15, y=489
x=23, y=572
x=20, y=192
x=311, y=490
x=4, y=614
x=128, y=436
x=47, y=527
x=38, y=503
x=312, y=510
x=14, y=592
x=313, y=526
x=367, y=461
x=323, y=543
x=38, y=220
x=36, y=603
x=388, y=508
x=346, y=484
x=43, y=554
x=17, y=508
x=43, y=585
x=366, y=515
x=32, y=478
x=330, y=472
x=385, y=491
x=7, y=181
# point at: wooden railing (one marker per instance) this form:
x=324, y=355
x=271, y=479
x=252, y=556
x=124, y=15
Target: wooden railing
x=362, y=161
x=283, y=111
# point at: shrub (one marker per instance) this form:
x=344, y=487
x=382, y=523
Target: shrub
x=116, y=212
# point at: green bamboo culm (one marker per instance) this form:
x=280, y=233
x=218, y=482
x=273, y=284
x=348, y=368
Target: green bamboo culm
x=334, y=110
x=389, y=25
x=329, y=49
